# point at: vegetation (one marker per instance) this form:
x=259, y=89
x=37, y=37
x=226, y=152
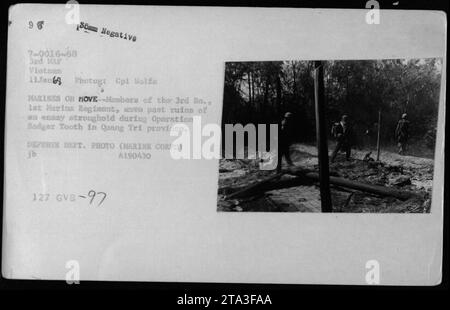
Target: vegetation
x=261, y=92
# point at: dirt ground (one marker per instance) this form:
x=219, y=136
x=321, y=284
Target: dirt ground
x=407, y=173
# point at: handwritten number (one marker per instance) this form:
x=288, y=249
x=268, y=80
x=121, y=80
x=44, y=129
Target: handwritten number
x=93, y=194
x=39, y=24
x=104, y=197
x=57, y=80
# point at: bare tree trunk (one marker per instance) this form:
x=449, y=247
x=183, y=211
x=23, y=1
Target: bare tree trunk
x=280, y=159
x=253, y=88
x=321, y=136
x=379, y=135
x=295, y=80
x=279, y=95
x=347, y=93
x=249, y=87
x=266, y=94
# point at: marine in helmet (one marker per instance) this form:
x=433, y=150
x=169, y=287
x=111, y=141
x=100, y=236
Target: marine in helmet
x=402, y=133
x=286, y=138
x=342, y=132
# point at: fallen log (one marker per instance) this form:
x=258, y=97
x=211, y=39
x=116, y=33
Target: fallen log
x=269, y=184
x=258, y=188
x=255, y=187
x=375, y=189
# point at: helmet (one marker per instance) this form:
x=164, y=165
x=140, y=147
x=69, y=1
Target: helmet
x=287, y=115
x=404, y=115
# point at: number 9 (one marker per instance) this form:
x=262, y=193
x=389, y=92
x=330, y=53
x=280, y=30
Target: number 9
x=30, y=24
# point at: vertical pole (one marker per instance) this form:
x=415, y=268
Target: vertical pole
x=379, y=135
x=321, y=137
x=278, y=101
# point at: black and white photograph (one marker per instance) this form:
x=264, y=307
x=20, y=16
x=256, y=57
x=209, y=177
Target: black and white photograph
x=242, y=147
x=380, y=122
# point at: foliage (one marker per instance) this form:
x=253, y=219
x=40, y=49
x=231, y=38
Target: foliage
x=261, y=92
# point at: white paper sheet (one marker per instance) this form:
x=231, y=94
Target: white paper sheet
x=159, y=220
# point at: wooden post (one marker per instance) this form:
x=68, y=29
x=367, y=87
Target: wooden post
x=379, y=135
x=321, y=137
x=278, y=101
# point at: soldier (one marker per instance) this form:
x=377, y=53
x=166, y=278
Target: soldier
x=286, y=137
x=342, y=132
x=402, y=133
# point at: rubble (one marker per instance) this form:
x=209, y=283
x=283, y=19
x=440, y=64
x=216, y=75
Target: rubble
x=410, y=175
x=400, y=180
